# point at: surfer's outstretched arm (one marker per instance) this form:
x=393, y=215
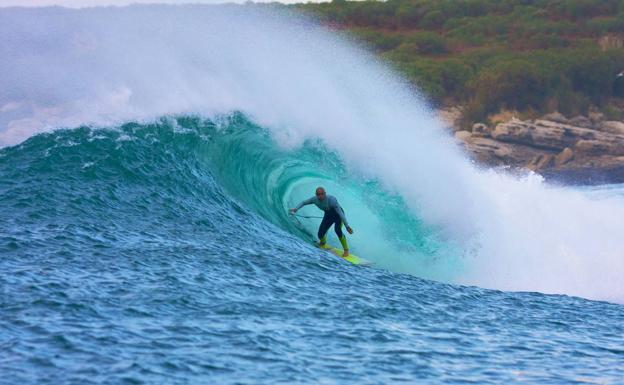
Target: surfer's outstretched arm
x=303, y=203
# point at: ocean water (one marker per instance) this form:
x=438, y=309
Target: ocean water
x=150, y=154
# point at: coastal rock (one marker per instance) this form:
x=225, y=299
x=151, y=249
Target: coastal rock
x=596, y=164
x=462, y=135
x=504, y=152
x=612, y=126
x=556, y=117
x=590, y=147
x=514, y=131
x=550, y=135
x=581, y=121
x=596, y=117
x=595, y=169
x=480, y=129
x=554, y=147
x=564, y=157
x=450, y=117
x=599, y=147
x=493, y=152
x=540, y=162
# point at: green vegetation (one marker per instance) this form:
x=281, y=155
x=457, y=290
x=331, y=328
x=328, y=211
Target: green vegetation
x=490, y=55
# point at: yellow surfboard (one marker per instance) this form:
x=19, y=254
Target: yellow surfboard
x=354, y=259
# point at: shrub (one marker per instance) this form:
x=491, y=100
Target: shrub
x=427, y=43
x=526, y=55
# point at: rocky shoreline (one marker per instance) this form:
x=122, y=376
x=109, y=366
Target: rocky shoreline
x=580, y=150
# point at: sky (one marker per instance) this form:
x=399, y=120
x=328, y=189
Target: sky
x=93, y=3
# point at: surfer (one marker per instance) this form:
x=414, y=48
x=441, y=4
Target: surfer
x=334, y=215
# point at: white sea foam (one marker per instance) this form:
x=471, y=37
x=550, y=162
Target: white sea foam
x=62, y=68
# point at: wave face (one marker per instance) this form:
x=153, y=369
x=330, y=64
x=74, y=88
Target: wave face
x=161, y=252
x=302, y=84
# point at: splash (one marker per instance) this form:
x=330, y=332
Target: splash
x=106, y=66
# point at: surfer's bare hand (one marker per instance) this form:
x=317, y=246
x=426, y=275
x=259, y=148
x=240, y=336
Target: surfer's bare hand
x=350, y=230
x=292, y=211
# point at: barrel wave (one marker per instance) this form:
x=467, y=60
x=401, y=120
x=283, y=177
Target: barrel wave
x=193, y=160
x=307, y=87
x=165, y=250
x=269, y=180
x=150, y=155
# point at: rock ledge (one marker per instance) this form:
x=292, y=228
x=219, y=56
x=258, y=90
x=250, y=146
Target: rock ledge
x=578, y=150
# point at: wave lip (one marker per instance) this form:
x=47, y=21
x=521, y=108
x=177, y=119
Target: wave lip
x=303, y=84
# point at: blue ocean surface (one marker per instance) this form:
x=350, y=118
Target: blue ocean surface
x=148, y=159
x=163, y=253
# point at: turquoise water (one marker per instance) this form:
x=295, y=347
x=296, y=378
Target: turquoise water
x=151, y=243
x=163, y=253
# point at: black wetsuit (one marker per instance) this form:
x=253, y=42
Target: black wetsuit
x=330, y=218
x=334, y=215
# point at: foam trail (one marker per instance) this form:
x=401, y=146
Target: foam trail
x=109, y=65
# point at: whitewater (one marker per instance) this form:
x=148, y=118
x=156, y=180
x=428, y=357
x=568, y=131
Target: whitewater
x=149, y=156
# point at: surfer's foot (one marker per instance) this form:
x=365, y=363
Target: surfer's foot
x=345, y=254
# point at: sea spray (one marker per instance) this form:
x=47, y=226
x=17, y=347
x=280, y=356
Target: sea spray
x=302, y=83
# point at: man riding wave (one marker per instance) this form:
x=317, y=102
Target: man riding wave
x=334, y=215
